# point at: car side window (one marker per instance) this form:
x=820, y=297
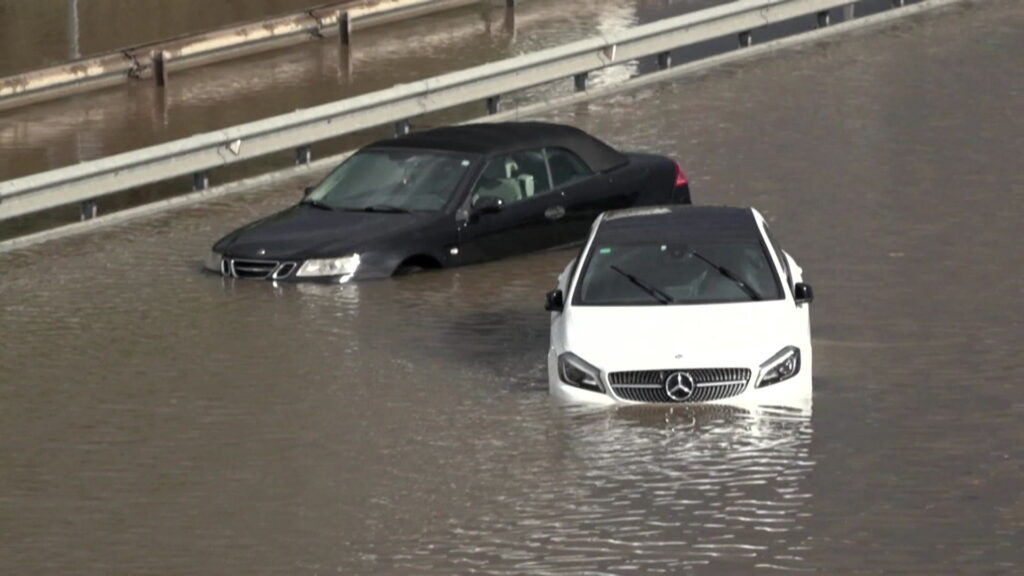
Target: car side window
x=513, y=177
x=566, y=167
x=780, y=255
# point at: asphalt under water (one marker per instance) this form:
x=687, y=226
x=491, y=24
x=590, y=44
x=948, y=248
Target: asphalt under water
x=157, y=420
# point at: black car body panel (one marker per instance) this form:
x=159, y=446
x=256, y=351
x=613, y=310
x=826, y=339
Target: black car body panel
x=463, y=233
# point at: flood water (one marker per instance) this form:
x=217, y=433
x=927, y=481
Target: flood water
x=158, y=420
x=102, y=123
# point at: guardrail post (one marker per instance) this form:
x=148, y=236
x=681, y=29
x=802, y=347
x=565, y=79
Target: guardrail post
x=898, y=3
x=664, y=60
x=494, y=104
x=848, y=12
x=402, y=128
x=746, y=39
x=580, y=80
x=87, y=210
x=200, y=181
x=344, y=29
x=160, y=67
x=824, y=19
x=510, y=21
x=303, y=155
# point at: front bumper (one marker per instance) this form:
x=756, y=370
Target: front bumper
x=795, y=391
x=273, y=270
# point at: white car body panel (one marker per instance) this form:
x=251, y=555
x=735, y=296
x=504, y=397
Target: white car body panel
x=681, y=337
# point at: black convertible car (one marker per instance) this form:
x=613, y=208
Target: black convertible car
x=446, y=197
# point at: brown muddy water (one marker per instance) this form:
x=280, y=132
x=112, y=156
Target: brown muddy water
x=98, y=124
x=158, y=420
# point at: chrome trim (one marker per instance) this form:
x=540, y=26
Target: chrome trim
x=255, y=269
x=701, y=385
x=284, y=270
x=680, y=386
x=729, y=383
x=610, y=389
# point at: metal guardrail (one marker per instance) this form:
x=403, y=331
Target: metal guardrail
x=158, y=59
x=298, y=130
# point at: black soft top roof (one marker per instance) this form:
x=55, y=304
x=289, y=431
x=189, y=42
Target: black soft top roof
x=679, y=224
x=502, y=138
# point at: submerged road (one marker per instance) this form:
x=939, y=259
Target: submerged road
x=158, y=420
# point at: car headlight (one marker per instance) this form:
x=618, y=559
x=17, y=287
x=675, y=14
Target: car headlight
x=214, y=262
x=575, y=371
x=346, y=266
x=780, y=367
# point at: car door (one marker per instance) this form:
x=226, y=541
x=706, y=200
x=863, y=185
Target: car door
x=526, y=219
x=584, y=194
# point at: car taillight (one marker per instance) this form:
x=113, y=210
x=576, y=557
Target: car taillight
x=680, y=177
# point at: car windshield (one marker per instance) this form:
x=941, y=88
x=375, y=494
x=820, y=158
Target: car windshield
x=391, y=181
x=651, y=273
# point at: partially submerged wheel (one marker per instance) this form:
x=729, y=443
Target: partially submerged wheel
x=406, y=269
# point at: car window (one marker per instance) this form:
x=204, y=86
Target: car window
x=401, y=179
x=566, y=167
x=513, y=177
x=780, y=255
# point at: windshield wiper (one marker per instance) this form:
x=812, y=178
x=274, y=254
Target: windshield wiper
x=650, y=289
x=730, y=275
x=317, y=204
x=385, y=208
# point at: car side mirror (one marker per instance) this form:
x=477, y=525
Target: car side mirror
x=555, y=301
x=802, y=293
x=487, y=205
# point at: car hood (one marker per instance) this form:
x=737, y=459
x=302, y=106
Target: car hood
x=692, y=336
x=306, y=232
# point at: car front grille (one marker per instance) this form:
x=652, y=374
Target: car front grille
x=257, y=269
x=649, y=385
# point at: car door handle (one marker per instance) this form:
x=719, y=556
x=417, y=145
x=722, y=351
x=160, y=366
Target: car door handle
x=554, y=213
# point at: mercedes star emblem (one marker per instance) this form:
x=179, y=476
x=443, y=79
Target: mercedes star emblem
x=679, y=386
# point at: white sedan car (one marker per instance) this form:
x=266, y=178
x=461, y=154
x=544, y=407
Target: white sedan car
x=681, y=304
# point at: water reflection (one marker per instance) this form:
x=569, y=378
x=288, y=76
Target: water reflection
x=646, y=489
